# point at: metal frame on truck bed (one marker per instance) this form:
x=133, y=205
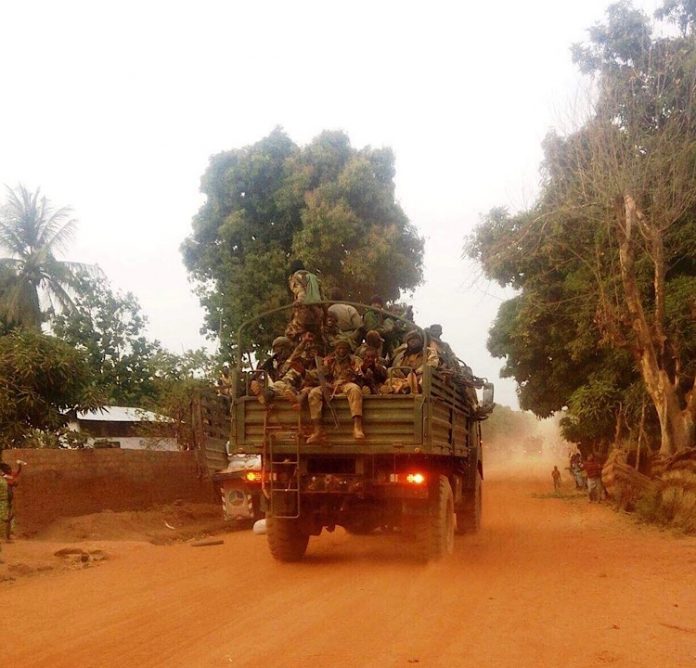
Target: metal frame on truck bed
x=418, y=472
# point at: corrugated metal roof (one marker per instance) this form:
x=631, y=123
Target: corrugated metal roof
x=121, y=414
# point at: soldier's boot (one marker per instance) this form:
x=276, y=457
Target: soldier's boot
x=317, y=434
x=358, y=433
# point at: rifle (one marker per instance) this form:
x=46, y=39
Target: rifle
x=325, y=388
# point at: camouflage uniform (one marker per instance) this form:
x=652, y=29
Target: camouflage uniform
x=307, y=315
x=417, y=361
x=374, y=372
x=344, y=377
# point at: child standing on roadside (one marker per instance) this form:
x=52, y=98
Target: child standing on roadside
x=556, y=475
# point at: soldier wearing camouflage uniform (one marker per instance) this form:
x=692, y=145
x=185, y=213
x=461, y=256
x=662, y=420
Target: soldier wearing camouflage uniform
x=343, y=375
x=414, y=355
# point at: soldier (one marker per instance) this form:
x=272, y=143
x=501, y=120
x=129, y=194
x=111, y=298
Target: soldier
x=389, y=329
x=373, y=319
x=224, y=382
x=373, y=371
x=414, y=356
x=348, y=320
x=448, y=360
x=273, y=366
x=333, y=334
x=372, y=340
x=290, y=375
x=396, y=336
x=307, y=313
x=343, y=374
x=11, y=478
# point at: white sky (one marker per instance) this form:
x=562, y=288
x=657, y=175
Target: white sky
x=115, y=109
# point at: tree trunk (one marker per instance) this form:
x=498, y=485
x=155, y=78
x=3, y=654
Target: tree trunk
x=676, y=425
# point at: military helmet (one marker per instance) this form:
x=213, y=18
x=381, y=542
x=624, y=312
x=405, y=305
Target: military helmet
x=281, y=341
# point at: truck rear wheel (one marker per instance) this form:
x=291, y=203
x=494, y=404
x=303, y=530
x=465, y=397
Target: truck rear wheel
x=433, y=534
x=469, y=516
x=285, y=539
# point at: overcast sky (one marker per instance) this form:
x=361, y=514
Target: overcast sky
x=115, y=110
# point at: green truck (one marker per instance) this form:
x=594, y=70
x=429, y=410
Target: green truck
x=418, y=473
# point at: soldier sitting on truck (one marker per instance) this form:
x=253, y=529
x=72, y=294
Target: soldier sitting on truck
x=414, y=356
x=348, y=320
x=448, y=360
x=341, y=373
x=372, y=340
x=373, y=370
x=273, y=367
x=292, y=373
x=333, y=334
x=389, y=329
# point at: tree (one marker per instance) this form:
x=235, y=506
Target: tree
x=41, y=378
x=179, y=380
x=130, y=369
x=110, y=328
x=327, y=203
x=505, y=430
x=605, y=258
x=32, y=232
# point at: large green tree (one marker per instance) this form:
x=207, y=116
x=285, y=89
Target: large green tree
x=33, y=233
x=129, y=368
x=41, y=378
x=327, y=203
x=604, y=260
x=110, y=328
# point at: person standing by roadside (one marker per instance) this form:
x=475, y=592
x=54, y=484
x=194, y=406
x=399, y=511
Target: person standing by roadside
x=593, y=470
x=10, y=479
x=556, y=475
x=4, y=508
x=576, y=470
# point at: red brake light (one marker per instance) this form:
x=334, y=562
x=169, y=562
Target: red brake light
x=415, y=478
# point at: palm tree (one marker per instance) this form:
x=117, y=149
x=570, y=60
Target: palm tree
x=32, y=232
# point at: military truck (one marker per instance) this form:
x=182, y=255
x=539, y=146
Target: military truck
x=418, y=473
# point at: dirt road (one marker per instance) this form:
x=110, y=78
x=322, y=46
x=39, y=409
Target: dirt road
x=547, y=582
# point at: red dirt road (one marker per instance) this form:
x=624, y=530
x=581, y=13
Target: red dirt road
x=547, y=582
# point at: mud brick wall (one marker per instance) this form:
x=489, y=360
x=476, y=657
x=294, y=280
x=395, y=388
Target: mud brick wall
x=66, y=483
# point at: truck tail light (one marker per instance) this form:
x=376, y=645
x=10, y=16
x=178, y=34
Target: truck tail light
x=415, y=478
